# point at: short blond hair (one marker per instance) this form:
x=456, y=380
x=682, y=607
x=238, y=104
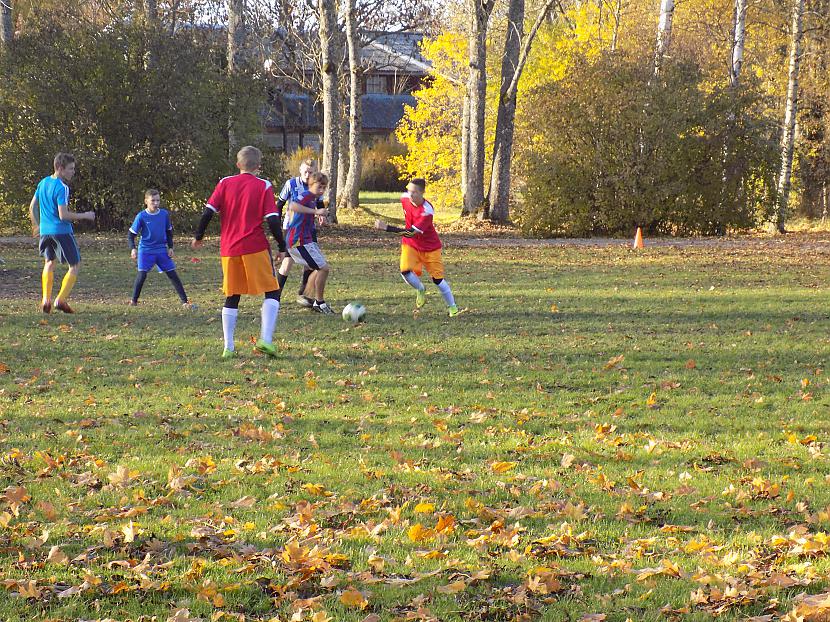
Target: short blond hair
x=151, y=192
x=249, y=158
x=308, y=163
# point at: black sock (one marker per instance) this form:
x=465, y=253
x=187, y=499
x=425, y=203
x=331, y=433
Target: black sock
x=281, y=279
x=139, y=283
x=177, y=283
x=306, y=273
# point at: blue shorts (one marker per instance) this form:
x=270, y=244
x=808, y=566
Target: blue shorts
x=60, y=246
x=148, y=259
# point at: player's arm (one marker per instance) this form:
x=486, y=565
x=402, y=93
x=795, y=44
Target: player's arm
x=34, y=214
x=406, y=232
x=170, y=241
x=299, y=208
x=207, y=215
x=64, y=213
x=275, y=226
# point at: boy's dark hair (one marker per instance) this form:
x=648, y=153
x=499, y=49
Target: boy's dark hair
x=420, y=182
x=62, y=160
x=151, y=192
x=318, y=178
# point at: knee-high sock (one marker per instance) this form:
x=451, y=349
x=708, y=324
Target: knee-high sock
x=413, y=280
x=446, y=292
x=177, y=283
x=229, y=325
x=46, y=280
x=66, y=286
x=139, y=283
x=270, y=311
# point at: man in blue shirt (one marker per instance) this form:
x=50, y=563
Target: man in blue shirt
x=155, y=247
x=52, y=220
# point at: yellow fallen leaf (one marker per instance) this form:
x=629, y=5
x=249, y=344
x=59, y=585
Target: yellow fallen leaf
x=424, y=508
x=56, y=556
x=502, y=467
x=452, y=588
x=354, y=598
x=418, y=533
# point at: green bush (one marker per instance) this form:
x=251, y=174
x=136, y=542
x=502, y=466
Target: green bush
x=622, y=150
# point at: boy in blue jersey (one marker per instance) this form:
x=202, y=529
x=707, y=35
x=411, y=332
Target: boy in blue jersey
x=291, y=191
x=155, y=247
x=52, y=220
x=300, y=239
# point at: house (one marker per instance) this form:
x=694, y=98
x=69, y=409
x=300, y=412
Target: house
x=395, y=69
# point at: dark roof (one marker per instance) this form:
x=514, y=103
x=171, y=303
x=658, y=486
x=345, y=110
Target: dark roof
x=383, y=112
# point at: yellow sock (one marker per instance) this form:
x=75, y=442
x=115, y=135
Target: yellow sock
x=66, y=286
x=46, y=280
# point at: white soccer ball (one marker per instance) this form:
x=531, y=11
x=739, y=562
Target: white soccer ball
x=354, y=312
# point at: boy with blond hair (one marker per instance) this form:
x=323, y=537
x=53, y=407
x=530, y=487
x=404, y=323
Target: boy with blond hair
x=52, y=219
x=155, y=248
x=420, y=245
x=243, y=202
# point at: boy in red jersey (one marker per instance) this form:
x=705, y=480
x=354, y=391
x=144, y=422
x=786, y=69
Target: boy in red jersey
x=243, y=202
x=420, y=245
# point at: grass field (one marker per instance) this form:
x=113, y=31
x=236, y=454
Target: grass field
x=601, y=433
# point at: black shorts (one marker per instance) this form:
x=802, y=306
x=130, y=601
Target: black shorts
x=60, y=246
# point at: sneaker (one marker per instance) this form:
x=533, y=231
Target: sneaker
x=266, y=348
x=189, y=306
x=453, y=311
x=132, y=303
x=46, y=306
x=323, y=308
x=305, y=301
x=420, y=298
x=229, y=354
x=60, y=305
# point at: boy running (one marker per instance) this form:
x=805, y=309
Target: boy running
x=300, y=238
x=291, y=191
x=155, y=247
x=50, y=215
x=243, y=202
x=420, y=245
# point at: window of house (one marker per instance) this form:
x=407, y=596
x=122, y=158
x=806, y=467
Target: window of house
x=376, y=84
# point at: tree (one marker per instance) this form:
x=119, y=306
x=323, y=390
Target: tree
x=738, y=41
x=236, y=44
x=330, y=65
x=788, y=131
x=352, y=187
x=664, y=28
x=516, y=51
x=6, y=24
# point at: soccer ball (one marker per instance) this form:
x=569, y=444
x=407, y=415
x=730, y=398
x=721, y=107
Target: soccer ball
x=354, y=312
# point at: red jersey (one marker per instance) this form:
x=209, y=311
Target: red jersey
x=419, y=217
x=243, y=202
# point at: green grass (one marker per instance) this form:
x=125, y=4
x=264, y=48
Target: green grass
x=222, y=463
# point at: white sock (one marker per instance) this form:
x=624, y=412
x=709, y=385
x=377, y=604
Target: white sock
x=229, y=325
x=413, y=280
x=270, y=310
x=446, y=292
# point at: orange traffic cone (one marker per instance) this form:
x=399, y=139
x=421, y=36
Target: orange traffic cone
x=638, y=239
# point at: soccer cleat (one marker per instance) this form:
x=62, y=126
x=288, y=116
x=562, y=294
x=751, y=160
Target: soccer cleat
x=229, y=354
x=453, y=311
x=189, y=306
x=61, y=305
x=266, y=348
x=132, y=303
x=305, y=301
x=420, y=298
x=46, y=306
x=323, y=308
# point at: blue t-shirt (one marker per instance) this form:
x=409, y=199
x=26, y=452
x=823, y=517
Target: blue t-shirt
x=51, y=192
x=153, y=230
x=300, y=229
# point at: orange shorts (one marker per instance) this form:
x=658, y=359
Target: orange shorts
x=249, y=274
x=415, y=260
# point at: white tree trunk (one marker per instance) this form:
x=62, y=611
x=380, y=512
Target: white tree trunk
x=617, y=17
x=6, y=25
x=327, y=19
x=738, y=39
x=477, y=93
x=788, y=132
x=663, y=33
x=352, y=190
x=236, y=43
x=465, y=146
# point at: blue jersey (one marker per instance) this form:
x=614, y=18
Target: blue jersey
x=300, y=229
x=153, y=230
x=292, y=190
x=51, y=192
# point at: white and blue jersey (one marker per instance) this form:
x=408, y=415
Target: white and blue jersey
x=153, y=229
x=52, y=192
x=293, y=190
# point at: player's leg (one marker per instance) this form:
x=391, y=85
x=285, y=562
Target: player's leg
x=168, y=266
x=47, y=277
x=233, y=284
x=306, y=287
x=410, y=266
x=435, y=266
x=140, y=277
x=69, y=252
x=262, y=278
x=230, y=311
x=314, y=260
x=270, y=313
x=285, y=268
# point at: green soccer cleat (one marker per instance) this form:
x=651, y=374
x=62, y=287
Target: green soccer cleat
x=229, y=354
x=420, y=298
x=266, y=348
x=453, y=311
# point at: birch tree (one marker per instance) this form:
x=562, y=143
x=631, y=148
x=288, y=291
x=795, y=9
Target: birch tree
x=352, y=187
x=516, y=51
x=738, y=41
x=6, y=25
x=664, y=27
x=791, y=108
x=236, y=42
x=330, y=65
